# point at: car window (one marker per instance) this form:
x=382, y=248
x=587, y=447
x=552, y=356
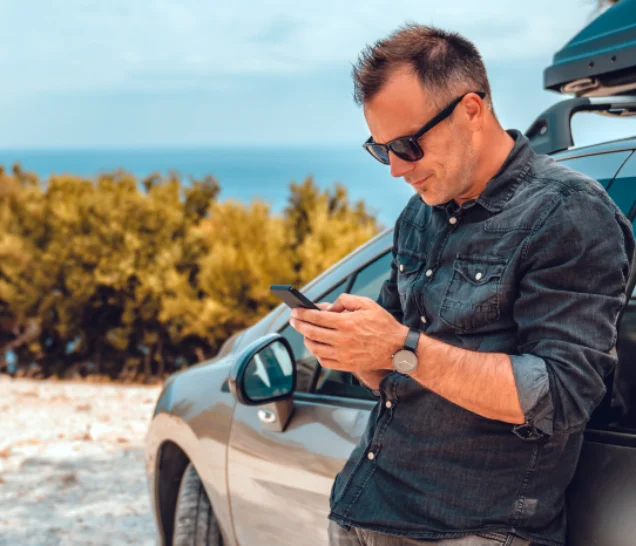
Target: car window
x=368, y=282
x=623, y=189
x=306, y=363
x=601, y=167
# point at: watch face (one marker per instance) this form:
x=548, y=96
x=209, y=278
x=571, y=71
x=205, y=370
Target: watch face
x=405, y=361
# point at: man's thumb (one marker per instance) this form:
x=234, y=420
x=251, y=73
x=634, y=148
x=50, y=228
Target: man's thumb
x=346, y=302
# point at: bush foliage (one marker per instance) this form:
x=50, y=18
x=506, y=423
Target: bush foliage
x=134, y=279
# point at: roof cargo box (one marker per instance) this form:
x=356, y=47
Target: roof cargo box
x=601, y=59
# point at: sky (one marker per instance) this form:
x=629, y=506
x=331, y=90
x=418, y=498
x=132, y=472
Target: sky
x=160, y=73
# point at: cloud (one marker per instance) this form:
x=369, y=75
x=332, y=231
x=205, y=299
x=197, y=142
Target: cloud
x=79, y=44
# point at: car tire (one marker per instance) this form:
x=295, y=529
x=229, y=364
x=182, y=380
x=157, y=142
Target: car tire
x=194, y=520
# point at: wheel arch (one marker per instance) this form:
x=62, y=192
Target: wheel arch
x=172, y=462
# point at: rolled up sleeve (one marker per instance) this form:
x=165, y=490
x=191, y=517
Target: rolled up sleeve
x=575, y=269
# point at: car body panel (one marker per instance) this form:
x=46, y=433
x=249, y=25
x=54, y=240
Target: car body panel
x=602, y=496
x=194, y=413
x=280, y=481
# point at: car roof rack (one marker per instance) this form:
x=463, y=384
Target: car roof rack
x=552, y=131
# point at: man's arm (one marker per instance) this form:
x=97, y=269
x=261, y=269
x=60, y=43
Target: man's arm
x=479, y=382
x=571, y=289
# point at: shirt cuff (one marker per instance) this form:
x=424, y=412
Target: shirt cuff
x=533, y=388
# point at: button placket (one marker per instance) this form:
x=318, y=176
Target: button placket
x=384, y=418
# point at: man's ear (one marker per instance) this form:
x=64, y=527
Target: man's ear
x=474, y=110
x=474, y=106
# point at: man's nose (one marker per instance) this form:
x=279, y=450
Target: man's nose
x=399, y=167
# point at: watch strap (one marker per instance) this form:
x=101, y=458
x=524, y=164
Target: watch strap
x=411, y=340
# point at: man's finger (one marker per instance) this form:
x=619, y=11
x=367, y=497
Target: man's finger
x=316, y=332
x=324, y=318
x=349, y=302
x=332, y=364
x=320, y=350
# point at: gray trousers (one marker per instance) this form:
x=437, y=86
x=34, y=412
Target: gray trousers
x=339, y=536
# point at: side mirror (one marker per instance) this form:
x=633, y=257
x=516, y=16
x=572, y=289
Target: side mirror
x=264, y=372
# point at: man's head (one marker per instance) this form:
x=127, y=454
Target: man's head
x=402, y=82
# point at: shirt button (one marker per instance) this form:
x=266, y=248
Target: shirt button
x=478, y=276
x=429, y=272
x=389, y=404
x=423, y=319
x=452, y=220
x=401, y=267
x=371, y=455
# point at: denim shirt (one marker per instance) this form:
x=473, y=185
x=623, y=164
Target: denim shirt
x=536, y=268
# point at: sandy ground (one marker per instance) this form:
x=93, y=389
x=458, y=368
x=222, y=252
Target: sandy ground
x=71, y=463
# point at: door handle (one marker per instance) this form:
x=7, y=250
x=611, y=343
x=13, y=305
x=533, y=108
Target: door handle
x=266, y=416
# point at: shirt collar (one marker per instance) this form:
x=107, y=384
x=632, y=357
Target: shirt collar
x=502, y=186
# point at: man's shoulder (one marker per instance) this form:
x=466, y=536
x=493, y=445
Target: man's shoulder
x=554, y=178
x=549, y=183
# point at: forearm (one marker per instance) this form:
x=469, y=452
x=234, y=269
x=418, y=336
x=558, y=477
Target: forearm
x=479, y=382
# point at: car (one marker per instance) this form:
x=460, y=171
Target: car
x=243, y=449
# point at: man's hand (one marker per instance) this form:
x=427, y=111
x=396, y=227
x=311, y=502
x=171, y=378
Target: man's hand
x=353, y=334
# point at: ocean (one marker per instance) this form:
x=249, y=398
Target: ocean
x=244, y=174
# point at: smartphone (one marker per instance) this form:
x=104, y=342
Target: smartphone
x=292, y=297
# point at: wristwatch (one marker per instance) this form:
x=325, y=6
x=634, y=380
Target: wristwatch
x=405, y=360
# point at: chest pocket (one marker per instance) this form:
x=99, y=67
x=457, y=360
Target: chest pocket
x=409, y=268
x=472, y=296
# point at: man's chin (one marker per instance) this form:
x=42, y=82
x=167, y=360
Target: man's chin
x=430, y=199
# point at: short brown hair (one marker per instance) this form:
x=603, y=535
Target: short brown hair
x=446, y=63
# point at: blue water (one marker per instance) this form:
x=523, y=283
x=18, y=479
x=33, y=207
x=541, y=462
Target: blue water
x=244, y=174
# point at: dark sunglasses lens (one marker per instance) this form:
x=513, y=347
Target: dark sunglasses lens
x=406, y=149
x=379, y=152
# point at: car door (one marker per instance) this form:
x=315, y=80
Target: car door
x=602, y=495
x=279, y=482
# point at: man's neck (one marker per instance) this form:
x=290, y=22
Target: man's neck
x=500, y=145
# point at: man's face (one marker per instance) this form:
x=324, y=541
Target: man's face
x=446, y=171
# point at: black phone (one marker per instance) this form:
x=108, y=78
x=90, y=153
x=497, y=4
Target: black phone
x=292, y=297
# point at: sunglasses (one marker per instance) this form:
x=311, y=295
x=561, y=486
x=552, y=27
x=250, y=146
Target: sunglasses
x=407, y=147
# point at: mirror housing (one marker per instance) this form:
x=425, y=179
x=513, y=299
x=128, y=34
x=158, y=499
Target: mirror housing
x=263, y=372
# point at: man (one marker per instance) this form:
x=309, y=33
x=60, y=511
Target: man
x=489, y=342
